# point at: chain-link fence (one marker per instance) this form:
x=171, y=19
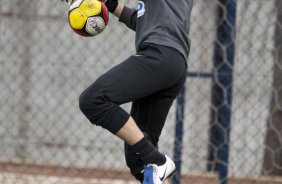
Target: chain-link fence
x=44, y=66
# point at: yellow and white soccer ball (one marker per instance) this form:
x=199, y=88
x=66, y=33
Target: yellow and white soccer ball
x=88, y=17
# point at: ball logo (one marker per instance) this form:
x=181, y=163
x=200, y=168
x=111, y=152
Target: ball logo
x=94, y=24
x=141, y=9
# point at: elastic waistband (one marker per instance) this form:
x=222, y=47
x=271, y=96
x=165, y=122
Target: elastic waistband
x=148, y=44
x=162, y=48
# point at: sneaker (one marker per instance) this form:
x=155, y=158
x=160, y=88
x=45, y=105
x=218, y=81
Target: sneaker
x=154, y=174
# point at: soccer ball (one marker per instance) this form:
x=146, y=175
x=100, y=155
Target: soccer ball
x=88, y=17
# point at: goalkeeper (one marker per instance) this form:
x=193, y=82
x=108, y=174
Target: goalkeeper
x=150, y=79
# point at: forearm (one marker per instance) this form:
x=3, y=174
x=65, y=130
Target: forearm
x=118, y=10
x=126, y=15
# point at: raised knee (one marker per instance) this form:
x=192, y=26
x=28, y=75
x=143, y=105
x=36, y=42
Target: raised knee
x=99, y=104
x=92, y=96
x=83, y=101
x=90, y=101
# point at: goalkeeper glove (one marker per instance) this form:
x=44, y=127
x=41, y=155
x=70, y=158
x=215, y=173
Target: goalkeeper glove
x=111, y=5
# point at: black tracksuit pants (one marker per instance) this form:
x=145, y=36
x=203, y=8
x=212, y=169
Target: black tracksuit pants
x=151, y=80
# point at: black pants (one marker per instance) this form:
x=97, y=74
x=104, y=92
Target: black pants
x=151, y=80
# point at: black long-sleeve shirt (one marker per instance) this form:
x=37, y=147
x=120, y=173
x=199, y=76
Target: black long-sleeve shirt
x=162, y=22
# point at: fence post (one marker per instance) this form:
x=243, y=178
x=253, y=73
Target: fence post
x=221, y=102
x=272, y=163
x=25, y=74
x=177, y=151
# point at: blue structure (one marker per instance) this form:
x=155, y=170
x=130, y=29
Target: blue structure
x=178, y=141
x=221, y=102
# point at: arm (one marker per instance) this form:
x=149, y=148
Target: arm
x=118, y=10
x=126, y=15
x=129, y=17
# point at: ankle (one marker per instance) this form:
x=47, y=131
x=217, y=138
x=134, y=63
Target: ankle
x=148, y=153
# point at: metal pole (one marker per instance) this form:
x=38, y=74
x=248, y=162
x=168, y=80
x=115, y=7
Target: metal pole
x=221, y=104
x=272, y=163
x=179, y=135
x=26, y=29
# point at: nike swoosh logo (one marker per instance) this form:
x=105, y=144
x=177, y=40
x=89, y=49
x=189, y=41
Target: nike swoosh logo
x=162, y=178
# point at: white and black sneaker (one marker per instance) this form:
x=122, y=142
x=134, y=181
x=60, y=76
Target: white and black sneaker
x=154, y=174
